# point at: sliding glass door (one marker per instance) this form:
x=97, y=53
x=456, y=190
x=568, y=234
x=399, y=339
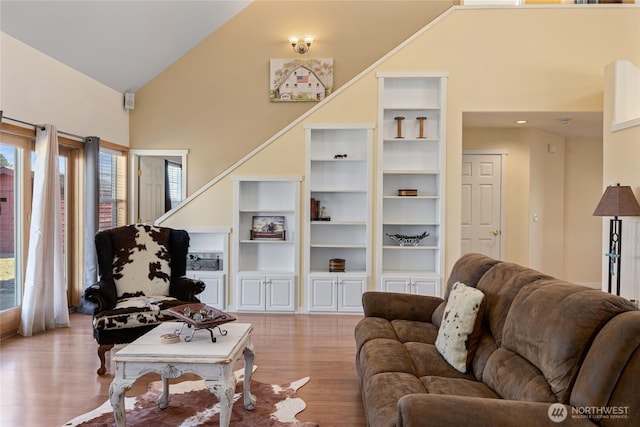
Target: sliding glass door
x=11, y=224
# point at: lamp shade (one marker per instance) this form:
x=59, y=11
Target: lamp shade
x=618, y=200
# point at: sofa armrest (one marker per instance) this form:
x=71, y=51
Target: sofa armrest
x=446, y=410
x=391, y=305
x=103, y=294
x=185, y=288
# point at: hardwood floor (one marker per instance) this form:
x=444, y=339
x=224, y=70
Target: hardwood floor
x=49, y=378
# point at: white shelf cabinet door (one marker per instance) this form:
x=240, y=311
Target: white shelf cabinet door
x=322, y=293
x=350, y=290
x=251, y=293
x=333, y=292
x=260, y=293
x=425, y=286
x=396, y=284
x=428, y=286
x=280, y=293
x=214, y=291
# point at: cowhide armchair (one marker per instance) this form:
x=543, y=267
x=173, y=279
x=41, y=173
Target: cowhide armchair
x=141, y=274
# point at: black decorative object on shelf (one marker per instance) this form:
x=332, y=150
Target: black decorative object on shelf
x=405, y=240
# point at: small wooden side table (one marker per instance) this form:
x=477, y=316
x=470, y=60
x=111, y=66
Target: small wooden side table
x=213, y=362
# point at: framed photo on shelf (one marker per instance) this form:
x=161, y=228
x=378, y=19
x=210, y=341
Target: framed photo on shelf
x=268, y=228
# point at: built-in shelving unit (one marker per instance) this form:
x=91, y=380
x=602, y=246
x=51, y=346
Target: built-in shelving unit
x=337, y=215
x=207, y=260
x=265, y=270
x=411, y=143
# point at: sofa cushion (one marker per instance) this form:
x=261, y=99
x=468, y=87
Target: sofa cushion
x=515, y=378
x=428, y=361
x=141, y=260
x=384, y=355
x=457, y=386
x=136, y=311
x=468, y=269
x=549, y=326
x=381, y=393
x=371, y=328
x=412, y=331
x=500, y=286
x=456, y=335
x=485, y=348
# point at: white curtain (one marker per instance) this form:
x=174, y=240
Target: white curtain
x=44, y=305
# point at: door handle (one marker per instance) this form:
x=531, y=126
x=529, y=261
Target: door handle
x=495, y=232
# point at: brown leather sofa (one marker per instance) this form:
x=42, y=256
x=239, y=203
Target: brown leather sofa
x=549, y=353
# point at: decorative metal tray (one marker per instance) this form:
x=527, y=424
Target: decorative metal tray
x=200, y=316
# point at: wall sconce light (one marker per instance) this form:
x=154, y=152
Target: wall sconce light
x=301, y=45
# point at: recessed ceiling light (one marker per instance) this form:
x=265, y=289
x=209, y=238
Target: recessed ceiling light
x=520, y=122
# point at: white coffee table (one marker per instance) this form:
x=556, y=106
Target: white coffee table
x=213, y=362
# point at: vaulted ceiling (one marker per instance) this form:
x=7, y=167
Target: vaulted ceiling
x=122, y=44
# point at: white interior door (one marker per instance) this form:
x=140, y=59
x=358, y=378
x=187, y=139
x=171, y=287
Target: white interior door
x=151, y=189
x=482, y=204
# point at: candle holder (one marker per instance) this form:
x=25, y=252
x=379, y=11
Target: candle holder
x=421, y=120
x=399, y=119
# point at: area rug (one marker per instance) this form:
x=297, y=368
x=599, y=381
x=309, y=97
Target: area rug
x=191, y=405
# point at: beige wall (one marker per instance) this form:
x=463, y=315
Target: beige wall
x=583, y=188
x=36, y=88
x=215, y=99
x=546, y=203
x=497, y=59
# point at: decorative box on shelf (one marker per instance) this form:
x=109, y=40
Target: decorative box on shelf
x=336, y=265
x=407, y=192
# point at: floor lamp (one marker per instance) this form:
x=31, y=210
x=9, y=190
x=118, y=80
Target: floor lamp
x=616, y=201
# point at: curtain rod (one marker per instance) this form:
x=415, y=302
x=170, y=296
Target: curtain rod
x=83, y=138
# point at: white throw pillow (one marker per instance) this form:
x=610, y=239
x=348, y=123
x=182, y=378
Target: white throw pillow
x=458, y=323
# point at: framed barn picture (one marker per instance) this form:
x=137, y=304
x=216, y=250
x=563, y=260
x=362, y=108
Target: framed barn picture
x=300, y=80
